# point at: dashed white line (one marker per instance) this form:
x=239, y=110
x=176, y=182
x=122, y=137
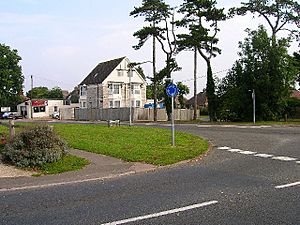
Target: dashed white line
x=235, y=150
x=247, y=152
x=163, y=213
x=224, y=148
x=288, y=185
x=264, y=155
x=284, y=158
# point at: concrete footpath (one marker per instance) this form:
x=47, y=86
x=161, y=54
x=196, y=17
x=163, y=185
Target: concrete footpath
x=100, y=168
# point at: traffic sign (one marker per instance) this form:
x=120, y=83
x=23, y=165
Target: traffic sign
x=172, y=90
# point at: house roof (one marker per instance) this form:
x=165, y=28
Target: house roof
x=101, y=71
x=201, y=99
x=296, y=94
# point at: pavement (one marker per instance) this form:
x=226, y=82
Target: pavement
x=101, y=167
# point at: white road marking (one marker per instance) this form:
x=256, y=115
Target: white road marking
x=163, y=213
x=247, y=152
x=223, y=148
x=64, y=183
x=288, y=185
x=264, y=155
x=284, y=158
x=235, y=150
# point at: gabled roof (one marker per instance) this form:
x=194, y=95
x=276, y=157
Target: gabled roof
x=201, y=99
x=101, y=71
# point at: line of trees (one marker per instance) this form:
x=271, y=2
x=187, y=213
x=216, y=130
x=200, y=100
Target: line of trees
x=264, y=63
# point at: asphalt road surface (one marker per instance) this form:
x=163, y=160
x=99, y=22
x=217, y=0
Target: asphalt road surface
x=251, y=176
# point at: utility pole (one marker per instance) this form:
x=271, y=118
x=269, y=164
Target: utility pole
x=31, y=113
x=195, y=84
x=253, y=98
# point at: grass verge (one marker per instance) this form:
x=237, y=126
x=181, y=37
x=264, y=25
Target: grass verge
x=133, y=144
x=65, y=164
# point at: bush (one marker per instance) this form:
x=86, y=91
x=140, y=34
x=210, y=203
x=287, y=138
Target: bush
x=35, y=146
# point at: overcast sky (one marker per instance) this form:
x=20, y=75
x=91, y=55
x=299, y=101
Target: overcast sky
x=61, y=41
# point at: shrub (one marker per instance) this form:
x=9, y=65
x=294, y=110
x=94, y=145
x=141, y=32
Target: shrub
x=35, y=146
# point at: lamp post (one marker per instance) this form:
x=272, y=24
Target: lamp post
x=130, y=73
x=253, y=99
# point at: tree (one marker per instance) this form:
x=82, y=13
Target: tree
x=278, y=14
x=55, y=93
x=201, y=17
x=154, y=11
x=296, y=63
x=252, y=71
x=45, y=93
x=11, y=78
x=182, y=90
x=38, y=93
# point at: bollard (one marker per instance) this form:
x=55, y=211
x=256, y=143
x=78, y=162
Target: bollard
x=11, y=131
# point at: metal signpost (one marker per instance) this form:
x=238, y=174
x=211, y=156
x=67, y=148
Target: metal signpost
x=172, y=91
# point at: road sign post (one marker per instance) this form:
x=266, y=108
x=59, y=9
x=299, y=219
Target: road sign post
x=172, y=91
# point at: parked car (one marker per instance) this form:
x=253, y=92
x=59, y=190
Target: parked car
x=11, y=115
x=55, y=115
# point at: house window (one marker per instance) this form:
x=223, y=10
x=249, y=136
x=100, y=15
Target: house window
x=114, y=89
x=135, y=89
x=55, y=109
x=83, y=104
x=83, y=90
x=38, y=109
x=111, y=104
x=117, y=104
x=120, y=73
x=138, y=103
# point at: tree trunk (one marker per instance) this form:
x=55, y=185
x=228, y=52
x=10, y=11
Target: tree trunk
x=210, y=91
x=195, y=85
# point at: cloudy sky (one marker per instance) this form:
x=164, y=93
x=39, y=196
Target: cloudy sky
x=61, y=41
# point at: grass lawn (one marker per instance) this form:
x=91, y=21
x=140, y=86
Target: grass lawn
x=133, y=144
x=67, y=163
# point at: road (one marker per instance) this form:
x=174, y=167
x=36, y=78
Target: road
x=251, y=176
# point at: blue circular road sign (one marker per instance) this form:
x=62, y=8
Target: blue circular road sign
x=172, y=90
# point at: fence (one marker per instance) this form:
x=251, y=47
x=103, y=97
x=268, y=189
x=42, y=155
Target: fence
x=138, y=114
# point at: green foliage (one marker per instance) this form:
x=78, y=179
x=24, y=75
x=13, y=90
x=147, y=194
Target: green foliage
x=11, y=78
x=278, y=15
x=45, y=93
x=35, y=146
x=182, y=90
x=296, y=64
x=255, y=70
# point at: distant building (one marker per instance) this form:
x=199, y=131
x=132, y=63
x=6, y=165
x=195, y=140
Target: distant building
x=107, y=86
x=201, y=100
x=39, y=108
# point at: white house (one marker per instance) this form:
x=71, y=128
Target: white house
x=107, y=86
x=39, y=108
